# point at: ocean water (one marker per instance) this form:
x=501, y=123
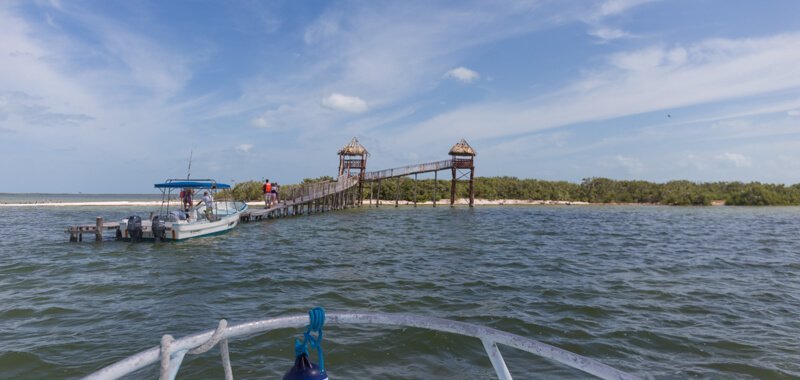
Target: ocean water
x=45, y=198
x=660, y=292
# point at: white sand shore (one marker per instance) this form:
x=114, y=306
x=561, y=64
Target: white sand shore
x=77, y=204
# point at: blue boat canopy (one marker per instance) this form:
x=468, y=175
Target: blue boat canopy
x=192, y=184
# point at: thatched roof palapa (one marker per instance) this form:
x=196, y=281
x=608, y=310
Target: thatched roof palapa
x=354, y=148
x=462, y=148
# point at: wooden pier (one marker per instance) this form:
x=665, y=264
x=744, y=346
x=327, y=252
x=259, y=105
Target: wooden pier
x=310, y=199
x=97, y=229
x=345, y=192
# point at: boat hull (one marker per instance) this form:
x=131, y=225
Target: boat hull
x=225, y=220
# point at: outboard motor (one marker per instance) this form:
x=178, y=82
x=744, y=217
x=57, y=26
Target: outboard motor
x=159, y=228
x=135, y=227
x=304, y=369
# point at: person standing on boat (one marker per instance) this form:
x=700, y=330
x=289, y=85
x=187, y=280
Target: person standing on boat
x=267, y=188
x=186, y=196
x=209, y=201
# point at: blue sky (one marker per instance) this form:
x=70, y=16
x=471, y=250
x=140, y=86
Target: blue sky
x=112, y=96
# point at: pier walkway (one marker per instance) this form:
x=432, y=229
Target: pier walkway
x=309, y=199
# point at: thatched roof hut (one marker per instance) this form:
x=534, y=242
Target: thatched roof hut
x=462, y=148
x=354, y=148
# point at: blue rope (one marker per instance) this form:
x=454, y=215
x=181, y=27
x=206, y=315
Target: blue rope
x=316, y=318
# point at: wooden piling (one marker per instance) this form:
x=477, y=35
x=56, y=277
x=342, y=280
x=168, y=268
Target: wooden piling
x=471, y=188
x=435, y=185
x=453, y=188
x=378, y=200
x=98, y=234
x=415, y=189
x=397, y=194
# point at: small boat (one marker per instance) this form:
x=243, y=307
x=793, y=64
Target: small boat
x=171, y=352
x=174, y=222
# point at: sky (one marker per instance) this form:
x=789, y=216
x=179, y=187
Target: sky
x=114, y=96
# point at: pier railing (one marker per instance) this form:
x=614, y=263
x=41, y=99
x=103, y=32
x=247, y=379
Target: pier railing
x=311, y=191
x=408, y=170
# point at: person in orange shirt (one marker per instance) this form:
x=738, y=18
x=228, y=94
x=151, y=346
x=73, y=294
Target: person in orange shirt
x=267, y=193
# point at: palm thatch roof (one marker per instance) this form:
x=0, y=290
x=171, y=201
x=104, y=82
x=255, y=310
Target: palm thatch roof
x=354, y=148
x=462, y=148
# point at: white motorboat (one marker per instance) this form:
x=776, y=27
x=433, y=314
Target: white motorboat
x=174, y=222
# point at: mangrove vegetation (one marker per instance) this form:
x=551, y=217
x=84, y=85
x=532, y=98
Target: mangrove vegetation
x=593, y=190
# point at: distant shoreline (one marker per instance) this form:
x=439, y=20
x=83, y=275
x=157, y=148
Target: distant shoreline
x=384, y=202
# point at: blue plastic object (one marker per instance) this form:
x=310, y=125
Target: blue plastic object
x=303, y=368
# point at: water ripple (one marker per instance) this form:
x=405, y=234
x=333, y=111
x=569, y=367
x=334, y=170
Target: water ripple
x=663, y=292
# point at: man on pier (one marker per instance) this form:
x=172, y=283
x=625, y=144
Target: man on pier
x=267, y=193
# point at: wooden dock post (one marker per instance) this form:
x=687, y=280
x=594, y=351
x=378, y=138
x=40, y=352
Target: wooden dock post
x=415, y=189
x=98, y=233
x=378, y=199
x=397, y=194
x=453, y=188
x=435, y=185
x=471, y=188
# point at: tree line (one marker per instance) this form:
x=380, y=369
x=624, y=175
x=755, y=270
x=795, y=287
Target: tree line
x=593, y=190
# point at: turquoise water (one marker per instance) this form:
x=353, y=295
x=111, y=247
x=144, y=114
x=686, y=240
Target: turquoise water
x=661, y=292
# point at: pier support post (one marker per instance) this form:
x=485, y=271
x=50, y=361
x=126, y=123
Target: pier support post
x=415, y=189
x=471, y=188
x=435, y=185
x=378, y=199
x=397, y=194
x=453, y=188
x=98, y=234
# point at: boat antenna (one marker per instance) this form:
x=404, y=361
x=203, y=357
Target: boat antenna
x=189, y=171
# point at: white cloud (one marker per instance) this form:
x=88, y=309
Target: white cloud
x=794, y=112
x=462, y=74
x=607, y=34
x=615, y=7
x=637, y=82
x=736, y=159
x=345, y=103
x=629, y=163
x=244, y=147
x=260, y=121
x=609, y=8
x=277, y=118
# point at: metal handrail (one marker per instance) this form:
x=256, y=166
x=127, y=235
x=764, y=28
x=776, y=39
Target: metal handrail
x=173, y=351
x=408, y=170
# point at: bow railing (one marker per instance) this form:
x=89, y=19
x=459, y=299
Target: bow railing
x=171, y=352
